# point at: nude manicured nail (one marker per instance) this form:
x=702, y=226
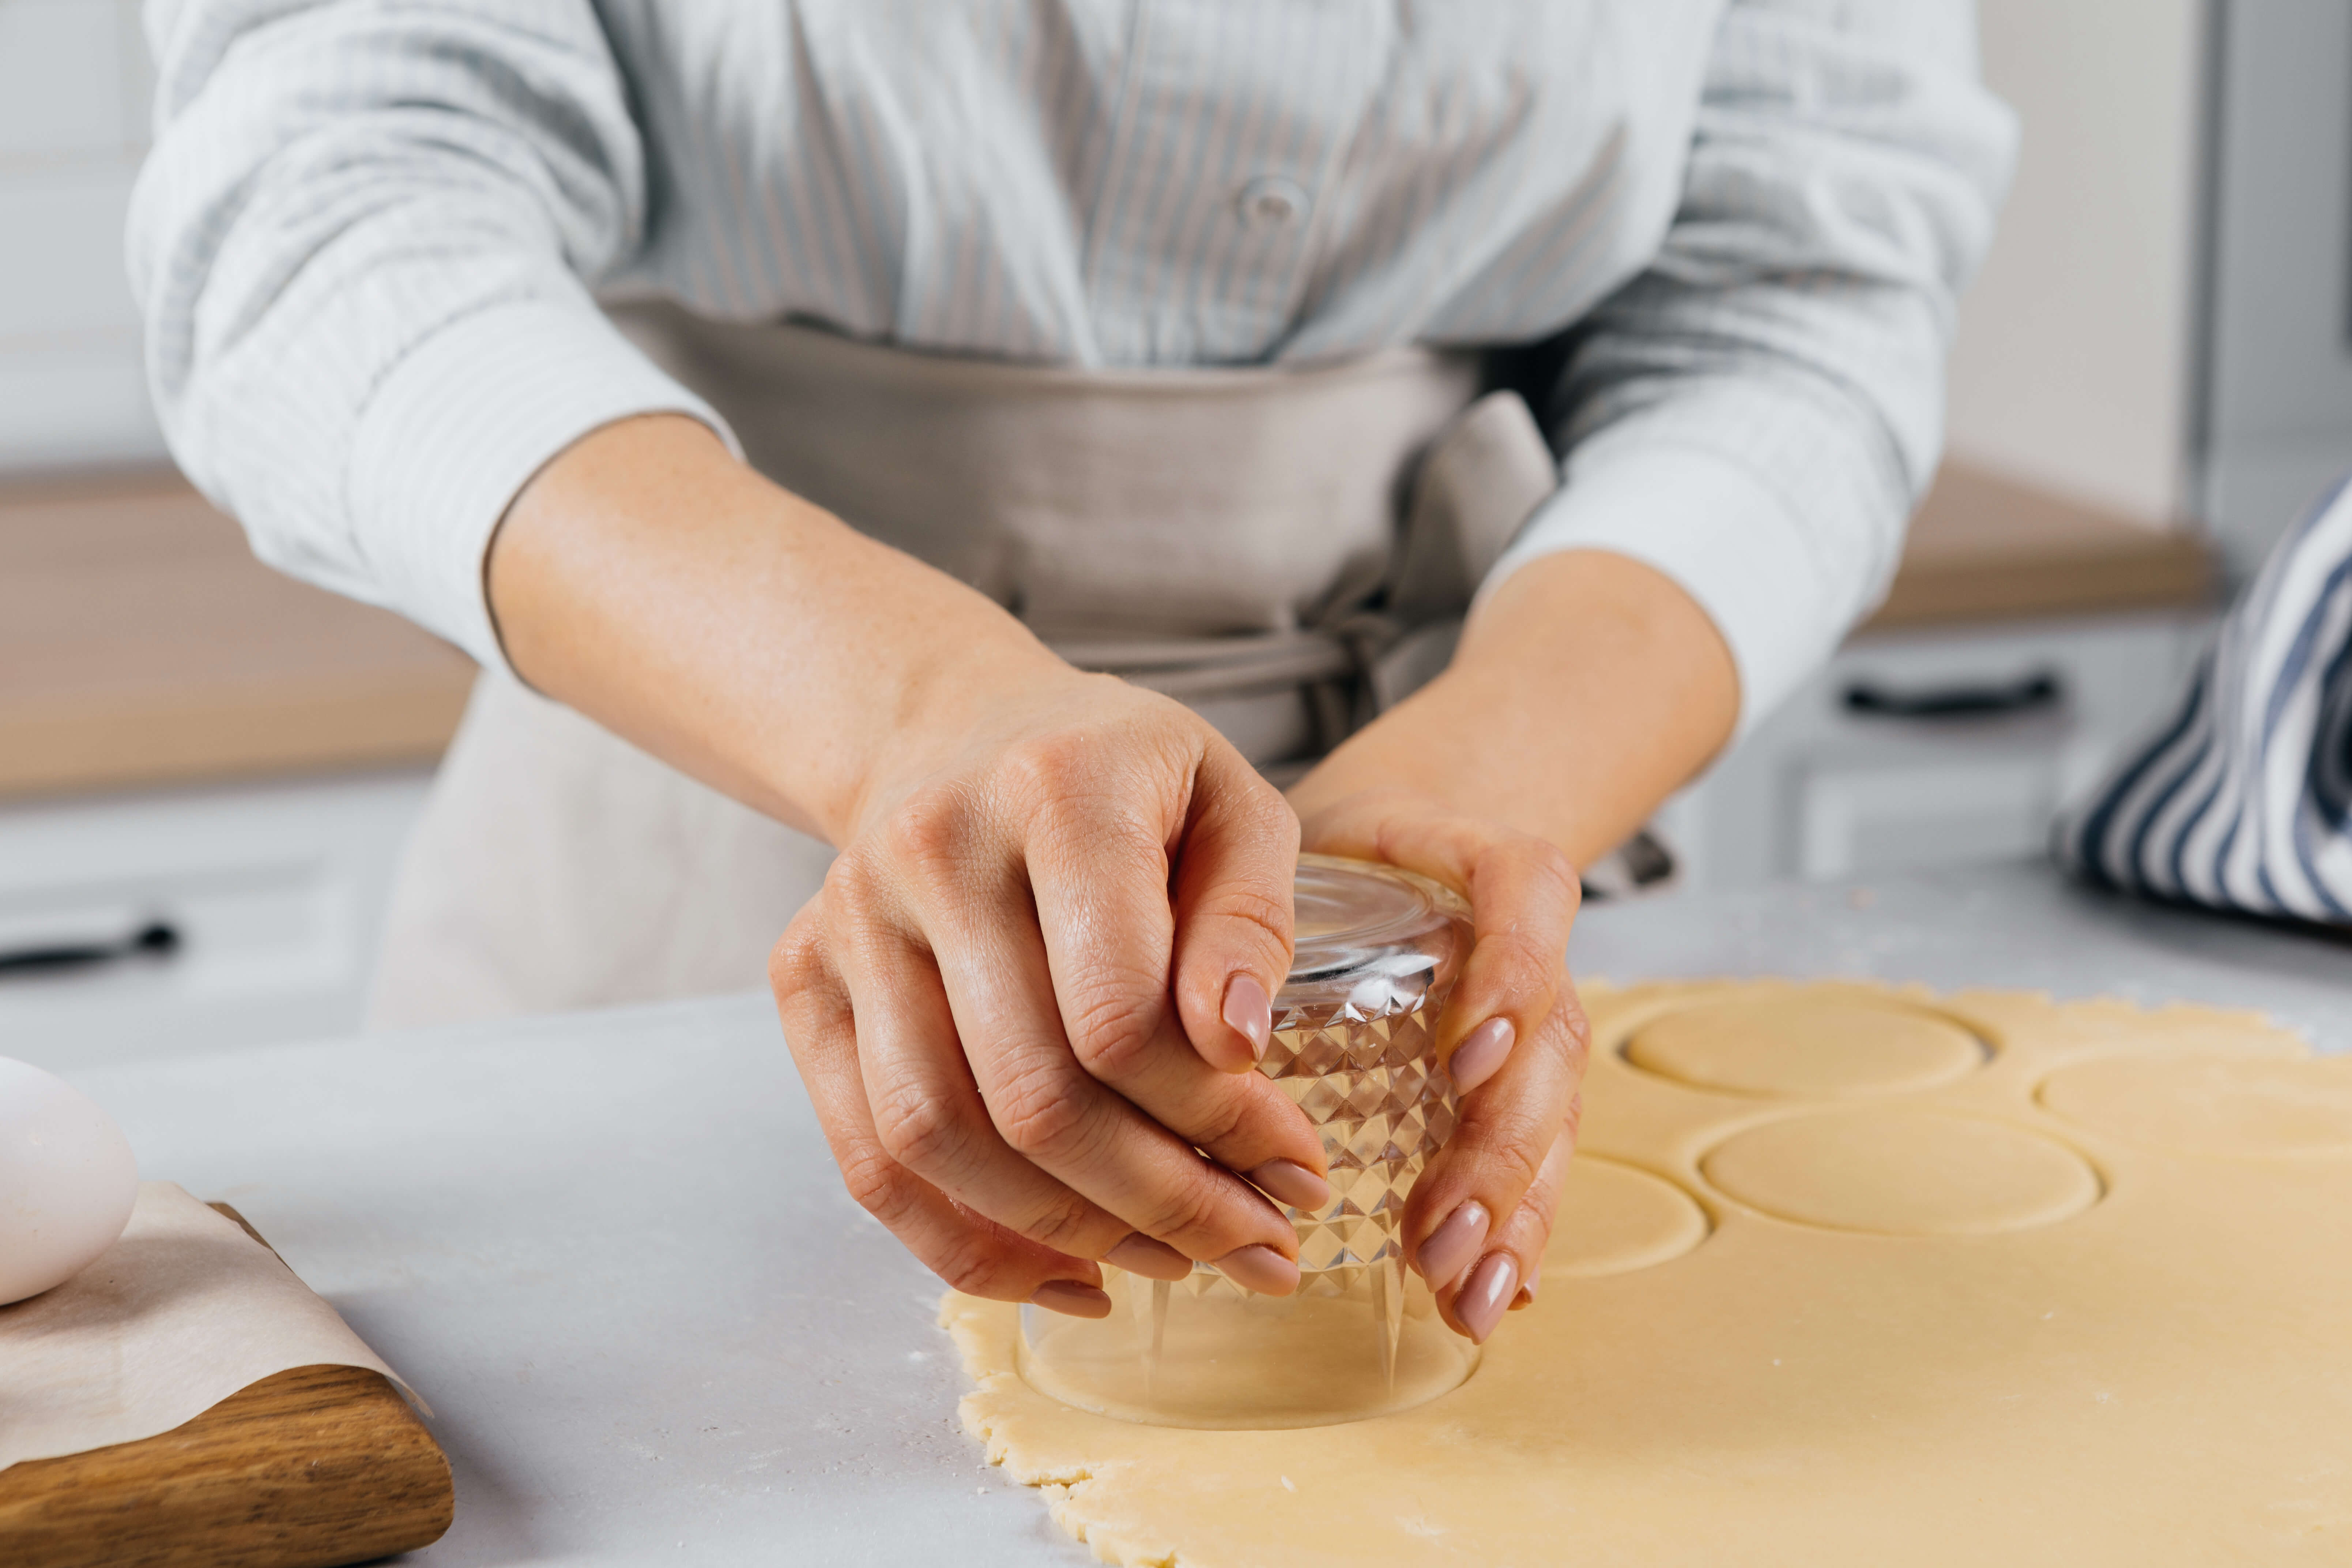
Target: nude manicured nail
x=1260, y=1268
x=1526, y=1296
x=1288, y=1181
x=1249, y=1014
x=1483, y=1301
x=1073, y=1300
x=1139, y=1254
x=1480, y=1055
x=1452, y=1244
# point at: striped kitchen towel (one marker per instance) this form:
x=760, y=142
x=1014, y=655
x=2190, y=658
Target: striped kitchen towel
x=2244, y=798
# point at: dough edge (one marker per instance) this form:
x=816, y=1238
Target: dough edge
x=983, y=1331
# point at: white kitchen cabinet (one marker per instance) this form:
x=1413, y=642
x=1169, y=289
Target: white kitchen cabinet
x=1930, y=748
x=275, y=893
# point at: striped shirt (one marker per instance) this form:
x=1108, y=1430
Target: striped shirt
x=2242, y=798
x=371, y=238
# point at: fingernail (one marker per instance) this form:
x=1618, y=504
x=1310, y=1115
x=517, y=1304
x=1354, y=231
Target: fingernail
x=1260, y=1268
x=1526, y=1296
x=1288, y=1181
x=1248, y=1013
x=1480, y=1055
x=1452, y=1245
x=1139, y=1254
x=1483, y=1301
x=1072, y=1298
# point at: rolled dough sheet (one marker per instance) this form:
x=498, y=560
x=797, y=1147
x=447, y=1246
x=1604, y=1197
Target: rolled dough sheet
x=2088, y=1300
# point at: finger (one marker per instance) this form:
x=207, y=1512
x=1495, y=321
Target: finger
x=925, y=1107
x=1235, y=867
x=1510, y=1261
x=1099, y=880
x=1524, y=894
x=1248, y=1125
x=1512, y=1036
x=999, y=989
x=969, y=1251
x=1507, y=1131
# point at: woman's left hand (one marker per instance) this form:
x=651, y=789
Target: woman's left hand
x=1512, y=1036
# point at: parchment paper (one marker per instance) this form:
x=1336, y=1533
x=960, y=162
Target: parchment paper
x=182, y=1312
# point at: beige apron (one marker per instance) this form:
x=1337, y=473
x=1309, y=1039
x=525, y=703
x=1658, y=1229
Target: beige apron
x=1216, y=535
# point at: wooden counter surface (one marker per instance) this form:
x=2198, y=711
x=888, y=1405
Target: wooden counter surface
x=1987, y=548
x=140, y=644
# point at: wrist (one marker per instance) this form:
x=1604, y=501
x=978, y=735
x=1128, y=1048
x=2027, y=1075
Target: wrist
x=1587, y=689
x=970, y=673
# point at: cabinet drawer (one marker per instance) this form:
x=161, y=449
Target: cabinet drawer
x=273, y=896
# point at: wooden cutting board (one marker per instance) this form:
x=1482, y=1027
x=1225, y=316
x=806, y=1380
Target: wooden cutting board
x=314, y=1466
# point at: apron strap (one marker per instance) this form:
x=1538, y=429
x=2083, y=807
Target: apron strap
x=1287, y=697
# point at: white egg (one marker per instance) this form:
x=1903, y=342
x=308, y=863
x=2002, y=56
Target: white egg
x=66, y=1181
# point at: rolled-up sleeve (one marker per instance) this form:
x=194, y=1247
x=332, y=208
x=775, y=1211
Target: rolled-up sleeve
x=1757, y=414
x=364, y=246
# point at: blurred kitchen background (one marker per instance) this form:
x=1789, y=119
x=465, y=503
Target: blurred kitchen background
x=207, y=770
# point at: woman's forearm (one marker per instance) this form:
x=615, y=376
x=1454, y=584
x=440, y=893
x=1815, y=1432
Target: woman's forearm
x=1585, y=691
x=649, y=580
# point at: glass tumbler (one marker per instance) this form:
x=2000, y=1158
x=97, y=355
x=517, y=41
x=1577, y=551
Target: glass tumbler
x=1377, y=952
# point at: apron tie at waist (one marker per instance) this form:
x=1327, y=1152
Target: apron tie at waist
x=1287, y=697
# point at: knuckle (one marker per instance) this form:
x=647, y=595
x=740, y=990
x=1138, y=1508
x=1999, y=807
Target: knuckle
x=1049, y=770
x=1257, y=906
x=1063, y=1225
x=1113, y=1029
x=1189, y=1210
x=796, y=964
x=851, y=883
x=1261, y=807
x=1520, y=965
x=1220, y=1124
x=971, y=1263
x=1551, y=866
x=1577, y=1030
x=1516, y=1161
x=880, y=1185
x=930, y=828
x=1041, y=1117
x=1511, y=1143
x=920, y=1132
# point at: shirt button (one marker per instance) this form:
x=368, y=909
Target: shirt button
x=1270, y=201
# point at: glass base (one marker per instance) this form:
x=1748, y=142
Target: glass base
x=1352, y=1344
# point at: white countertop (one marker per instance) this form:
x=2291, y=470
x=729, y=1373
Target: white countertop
x=611, y=1250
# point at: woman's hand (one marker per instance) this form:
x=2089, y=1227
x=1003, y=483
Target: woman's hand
x=1512, y=1036
x=980, y=1001
x=1037, y=983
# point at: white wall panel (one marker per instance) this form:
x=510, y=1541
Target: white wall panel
x=84, y=407
x=62, y=84
x=61, y=269
x=2071, y=370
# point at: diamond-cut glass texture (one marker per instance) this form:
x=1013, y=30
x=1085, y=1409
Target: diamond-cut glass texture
x=1371, y=1083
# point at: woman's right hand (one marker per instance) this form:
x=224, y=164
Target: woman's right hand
x=1033, y=990
x=1032, y=987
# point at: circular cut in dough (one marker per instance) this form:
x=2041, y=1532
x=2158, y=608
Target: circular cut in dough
x=1902, y=1172
x=1813, y=1047
x=1614, y=1219
x=2210, y=1105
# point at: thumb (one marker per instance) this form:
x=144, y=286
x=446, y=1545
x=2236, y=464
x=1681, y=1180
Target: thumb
x=1233, y=872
